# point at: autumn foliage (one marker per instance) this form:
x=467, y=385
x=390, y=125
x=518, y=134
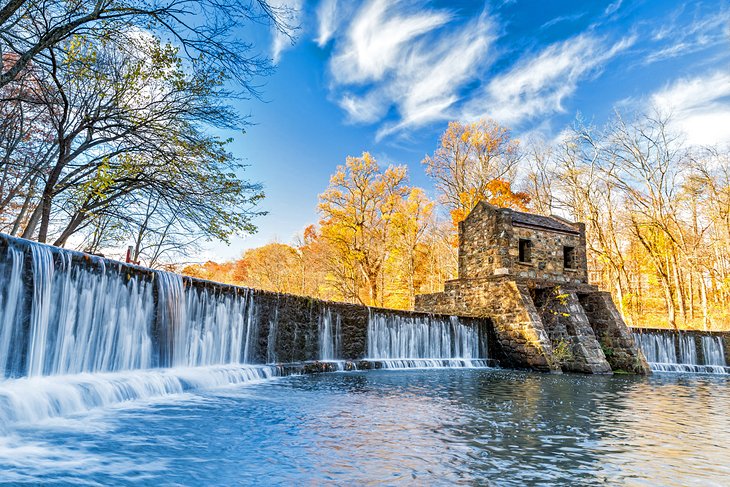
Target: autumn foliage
x=656, y=216
x=475, y=162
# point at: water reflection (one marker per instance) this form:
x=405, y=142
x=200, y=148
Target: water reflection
x=475, y=427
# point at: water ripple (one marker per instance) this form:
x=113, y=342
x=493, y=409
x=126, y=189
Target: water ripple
x=442, y=427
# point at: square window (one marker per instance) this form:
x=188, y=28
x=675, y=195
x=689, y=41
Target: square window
x=525, y=250
x=569, y=258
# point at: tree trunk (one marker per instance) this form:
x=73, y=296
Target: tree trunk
x=703, y=293
x=70, y=229
x=679, y=288
x=21, y=215
x=669, y=300
x=30, y=228
x=691, y=295
x=45, y=206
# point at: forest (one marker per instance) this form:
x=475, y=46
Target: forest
x=657, y=215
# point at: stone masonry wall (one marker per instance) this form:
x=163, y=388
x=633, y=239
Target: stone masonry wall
x=612, y=333
x=574, y=343
x=293, y=324
x=547, y=256
x=489, y=246
x=483, y=242
x=597, y=333
x=287, y=326
x=494, y=284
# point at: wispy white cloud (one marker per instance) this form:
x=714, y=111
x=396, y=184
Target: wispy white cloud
x=368, y=108
x=379, y=39
x=291, y=13
x=613, y=7
x=415, y=62
x=561, y=19
x=328, y=19
x=430, y=81
x=700, y=107
x=681, y=38
x=537, y=86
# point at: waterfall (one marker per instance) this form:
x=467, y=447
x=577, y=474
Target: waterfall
x=672, y=352
x=171, y=315
x=330, y=331
x=657, y=347
x=11, y=313
x=713, y=350
x=271, y=339
x=688, y=350
x=250, y=346
x=424, y=341
x=82, y=319
x=212, y=329
x=78, y=332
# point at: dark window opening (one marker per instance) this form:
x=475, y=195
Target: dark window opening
x=569, y=257
x=525, y=250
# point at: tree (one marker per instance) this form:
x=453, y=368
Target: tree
x=128, y=129
x=357, y=211
x=475, y=162
x=205, y=30
x=656, y=212
x=273, y=267
x=412, y=222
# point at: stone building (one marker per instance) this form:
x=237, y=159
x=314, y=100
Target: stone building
x=528, y=274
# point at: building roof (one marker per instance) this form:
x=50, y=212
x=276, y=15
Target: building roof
x=543, y=222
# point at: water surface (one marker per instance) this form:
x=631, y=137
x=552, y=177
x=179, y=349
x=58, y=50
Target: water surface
x=412, y=427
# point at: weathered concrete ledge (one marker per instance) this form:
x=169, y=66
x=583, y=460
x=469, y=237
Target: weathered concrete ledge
x=328, y=366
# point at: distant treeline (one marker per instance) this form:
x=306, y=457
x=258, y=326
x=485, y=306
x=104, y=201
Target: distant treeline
x=657, y=213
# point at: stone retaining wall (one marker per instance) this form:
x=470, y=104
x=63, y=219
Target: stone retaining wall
x=591, y=325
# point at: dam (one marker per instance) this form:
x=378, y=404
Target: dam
x=86, y=331
x=113, y=374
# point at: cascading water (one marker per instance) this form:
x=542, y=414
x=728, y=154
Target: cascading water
x=82, y=319
x=670, y=352
x=424, y=341
x=713, y=351
x=657, y=347
x=271, y=339
x=11, y=313
x=330, y=332
x=79, y=332
x=687, y=350
x=85, y=332
x=213, y=328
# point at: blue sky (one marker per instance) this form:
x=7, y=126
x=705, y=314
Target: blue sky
x=387, y=76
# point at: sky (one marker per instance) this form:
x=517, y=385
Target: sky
x=386, y=76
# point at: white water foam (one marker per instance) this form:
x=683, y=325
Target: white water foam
x=33, y=399
x=406, y=363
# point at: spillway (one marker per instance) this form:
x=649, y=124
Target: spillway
x=79, y=332
x=668, y=351
x=424, y=341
